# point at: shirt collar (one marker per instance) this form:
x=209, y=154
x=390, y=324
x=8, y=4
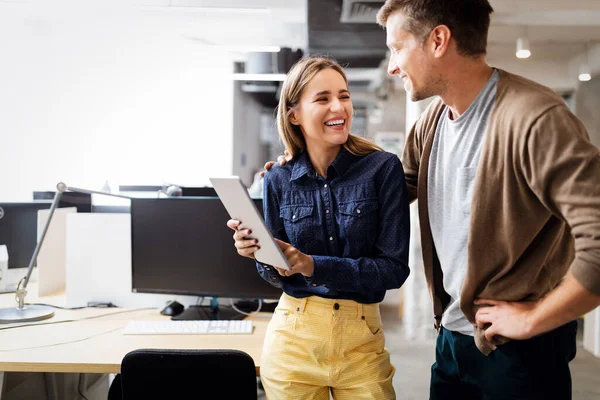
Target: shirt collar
x=343, y=161
x=303, y=166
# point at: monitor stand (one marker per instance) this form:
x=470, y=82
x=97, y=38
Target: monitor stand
x=212, y=312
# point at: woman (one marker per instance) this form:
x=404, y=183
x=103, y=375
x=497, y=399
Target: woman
x=339, y=212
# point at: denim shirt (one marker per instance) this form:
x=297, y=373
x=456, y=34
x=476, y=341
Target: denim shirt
x=354, y=224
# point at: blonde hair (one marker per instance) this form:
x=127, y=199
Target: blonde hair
x=293, y=86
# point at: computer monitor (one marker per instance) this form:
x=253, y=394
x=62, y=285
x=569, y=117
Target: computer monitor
x=81, y=201
x=183, y=246
x=110, y=209
x=140, y=188
x=205, y=191
x=18, y=231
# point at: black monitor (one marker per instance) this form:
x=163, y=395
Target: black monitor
x=183, y=246
x=18, y=230
x=201, y=191
x=110, y=209
x=81, y=201
x=140, y=188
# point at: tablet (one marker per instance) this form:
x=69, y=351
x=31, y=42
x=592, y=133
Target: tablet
x=239, y=205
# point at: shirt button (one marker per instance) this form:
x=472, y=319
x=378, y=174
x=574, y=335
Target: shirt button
x=358, y=210
x=326, y=211
x=294, y=217
x=331, y=238
x=325, y=185
x=336, y=306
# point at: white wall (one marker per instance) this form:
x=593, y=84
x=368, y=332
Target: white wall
x=553, y=74
x=587, y=104
x=89, y=95
x=249, y=151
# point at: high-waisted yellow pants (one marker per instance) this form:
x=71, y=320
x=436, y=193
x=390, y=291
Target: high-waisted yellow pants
x=316, y=345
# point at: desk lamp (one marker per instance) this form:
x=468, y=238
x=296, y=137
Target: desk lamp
x=30, y=313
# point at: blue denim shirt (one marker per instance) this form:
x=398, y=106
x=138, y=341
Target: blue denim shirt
x=355, y=224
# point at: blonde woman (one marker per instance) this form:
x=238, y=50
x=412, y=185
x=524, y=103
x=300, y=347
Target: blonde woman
x=339, y=209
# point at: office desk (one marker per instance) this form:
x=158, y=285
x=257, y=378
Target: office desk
x=97, y=345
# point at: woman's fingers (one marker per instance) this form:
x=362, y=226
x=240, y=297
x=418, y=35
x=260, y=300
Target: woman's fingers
x=242, y=234
x=246, y=248
x=245, y=244
x=233, y=224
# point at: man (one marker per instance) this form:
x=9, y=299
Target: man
x=509, y=204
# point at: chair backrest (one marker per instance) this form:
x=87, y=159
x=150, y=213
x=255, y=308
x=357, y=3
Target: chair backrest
x=180, y=374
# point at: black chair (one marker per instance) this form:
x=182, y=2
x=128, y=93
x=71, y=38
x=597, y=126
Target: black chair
x=180, y=374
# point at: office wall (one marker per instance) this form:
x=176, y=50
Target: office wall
x=554, y=74
x=89, y=96
x=587, y=104
x=250, y=152
x=391, y=116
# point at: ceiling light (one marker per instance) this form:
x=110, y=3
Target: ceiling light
x=216, y=10
x=523, y=48
x=584, y=77
x=259, y=77
x=584, y=69
x=234, y=48
x=251, y=49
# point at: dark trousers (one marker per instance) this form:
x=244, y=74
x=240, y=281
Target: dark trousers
x=532, y=369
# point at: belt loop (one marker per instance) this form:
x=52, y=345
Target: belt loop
x=302, y=305
x=360, y=311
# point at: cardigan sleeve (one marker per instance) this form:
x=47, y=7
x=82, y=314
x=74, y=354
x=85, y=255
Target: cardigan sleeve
x=562, y=167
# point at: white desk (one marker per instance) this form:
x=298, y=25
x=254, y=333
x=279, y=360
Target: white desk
x=98, y=345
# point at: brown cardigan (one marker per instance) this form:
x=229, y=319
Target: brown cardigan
x=535, y=212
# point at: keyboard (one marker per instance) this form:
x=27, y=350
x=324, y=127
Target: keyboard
x=202, y=327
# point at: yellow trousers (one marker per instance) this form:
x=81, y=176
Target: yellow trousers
x=316, y=346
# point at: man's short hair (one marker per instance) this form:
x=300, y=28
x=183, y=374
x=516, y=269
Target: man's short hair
x=468, y=20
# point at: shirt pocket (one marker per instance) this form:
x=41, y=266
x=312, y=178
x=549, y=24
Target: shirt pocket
x=358, y=221
x=465, y=182
x=298, y=221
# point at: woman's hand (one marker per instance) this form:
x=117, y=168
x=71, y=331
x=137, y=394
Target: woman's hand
x=299, y=262
x=245, y=244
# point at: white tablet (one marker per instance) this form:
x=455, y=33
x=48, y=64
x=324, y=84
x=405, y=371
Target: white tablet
x=239, y=205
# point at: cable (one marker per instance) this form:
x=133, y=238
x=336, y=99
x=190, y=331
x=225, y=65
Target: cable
x=61, y=343
x=53, y=306
x=75, y=320
x=79, y=387
x=243, y=312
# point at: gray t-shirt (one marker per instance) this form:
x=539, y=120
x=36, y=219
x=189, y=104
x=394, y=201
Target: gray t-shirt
x=452, y=167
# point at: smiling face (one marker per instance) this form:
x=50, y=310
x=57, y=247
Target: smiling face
x=324, y=112
x=410, y=60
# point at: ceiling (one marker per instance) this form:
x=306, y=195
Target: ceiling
x=557, y=29
x=356, y=45
x=345, y=29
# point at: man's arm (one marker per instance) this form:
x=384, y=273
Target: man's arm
x=282, y=160
x=411, y=157
x=562, y=167
x=524, y=320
